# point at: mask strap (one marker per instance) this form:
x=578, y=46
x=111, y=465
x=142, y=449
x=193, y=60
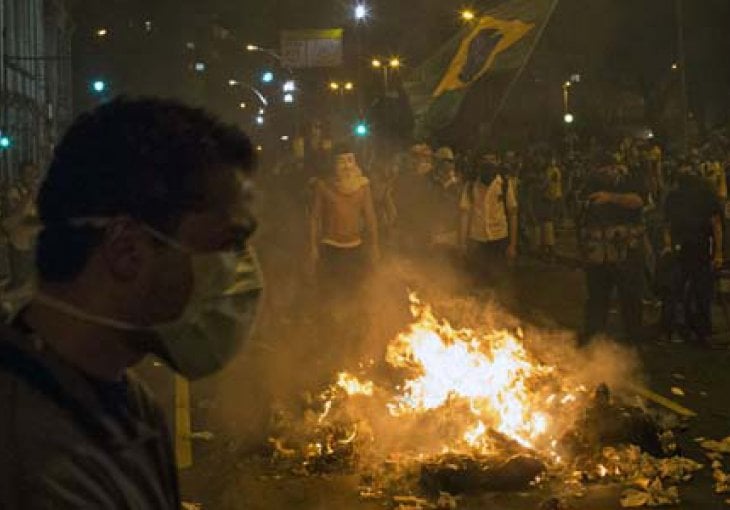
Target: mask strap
x=72, y=311
x=102, y=222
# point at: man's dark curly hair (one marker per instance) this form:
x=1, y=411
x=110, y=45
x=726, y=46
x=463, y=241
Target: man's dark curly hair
x=143, y=158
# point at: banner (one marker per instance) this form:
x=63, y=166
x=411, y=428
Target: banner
x=497, y=41
x=311, y=48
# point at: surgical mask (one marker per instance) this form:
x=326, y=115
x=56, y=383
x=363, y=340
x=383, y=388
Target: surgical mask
x=215, y=323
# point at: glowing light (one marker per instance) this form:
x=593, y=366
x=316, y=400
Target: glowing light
x=267, y=77
x=232, y=82
x=675, y=66
x=284, y=138
x=98, y=86
x=5, y=142
x=349, y=85
x=288, y=98
x=289, y=86
x=260, y=120
x=334, y=85
x=200, y=67
x=568, y=118
x=394, y=63
x=361, y=12
x=259, y=148
x=242, y=105
x=362, y=129
x=376, y=63
x=102, y=32
x=474, y=382
x=468, y=15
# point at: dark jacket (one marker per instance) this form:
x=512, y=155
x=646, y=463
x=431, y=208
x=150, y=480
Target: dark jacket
x=66, y=444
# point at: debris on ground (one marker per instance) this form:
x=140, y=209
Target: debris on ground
x=721, y=447
x=653, y=495
x=676, y=390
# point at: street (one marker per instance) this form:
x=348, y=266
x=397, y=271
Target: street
x=228, y=475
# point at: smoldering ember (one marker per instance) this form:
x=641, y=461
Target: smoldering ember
x=364, y=254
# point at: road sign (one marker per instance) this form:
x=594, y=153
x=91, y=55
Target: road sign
x=311, y=48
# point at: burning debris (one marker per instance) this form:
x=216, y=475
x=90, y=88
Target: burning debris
x=461, y=411
x=716, y=452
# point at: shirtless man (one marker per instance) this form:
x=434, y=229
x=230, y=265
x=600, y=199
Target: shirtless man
x=343, y=204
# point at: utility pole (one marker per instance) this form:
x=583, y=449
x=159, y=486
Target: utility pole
x=679, y=14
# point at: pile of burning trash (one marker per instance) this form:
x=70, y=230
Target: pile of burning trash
x=454, y=412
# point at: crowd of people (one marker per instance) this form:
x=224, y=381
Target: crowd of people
x=645, y=223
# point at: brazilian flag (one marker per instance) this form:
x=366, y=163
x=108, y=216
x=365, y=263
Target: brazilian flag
x=497, y=41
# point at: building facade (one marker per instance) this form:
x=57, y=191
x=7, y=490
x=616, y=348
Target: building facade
x=35, y=81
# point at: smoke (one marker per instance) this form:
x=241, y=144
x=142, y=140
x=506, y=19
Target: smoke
x=303, y=340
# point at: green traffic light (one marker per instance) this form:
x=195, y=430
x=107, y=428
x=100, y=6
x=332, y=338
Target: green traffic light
x=5, y=142
x=362, y=129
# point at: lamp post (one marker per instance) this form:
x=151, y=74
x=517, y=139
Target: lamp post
x=566, y=97
x=393, y=64
x=341, y=88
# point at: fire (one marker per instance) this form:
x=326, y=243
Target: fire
x=353, y=386
x=485, y=383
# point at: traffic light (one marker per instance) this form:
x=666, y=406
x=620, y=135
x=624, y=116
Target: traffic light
x=267, y=77
x=362, y=129
x=5, y=142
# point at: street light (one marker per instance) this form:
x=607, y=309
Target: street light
x=232, y=82
x=289, y=86
x=260, y=120
x=467, y=15
x=568, y=118
x=242, y=105
x=200, y=67
x=288, y=98
x=361, y=11
x=566, y=99
x=341, y=88
x=252, y=47
x=102, y=32
x=393, y=64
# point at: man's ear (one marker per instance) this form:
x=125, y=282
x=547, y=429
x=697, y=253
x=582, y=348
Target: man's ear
x=124, y=249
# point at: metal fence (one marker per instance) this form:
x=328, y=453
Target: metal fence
x=35, y=79
x=35, y=87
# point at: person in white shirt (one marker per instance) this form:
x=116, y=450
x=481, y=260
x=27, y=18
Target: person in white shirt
x=488, y=227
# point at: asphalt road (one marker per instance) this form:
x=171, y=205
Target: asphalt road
x=229, y=474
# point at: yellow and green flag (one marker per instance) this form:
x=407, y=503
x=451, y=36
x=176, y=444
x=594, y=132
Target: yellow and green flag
x=497, y=41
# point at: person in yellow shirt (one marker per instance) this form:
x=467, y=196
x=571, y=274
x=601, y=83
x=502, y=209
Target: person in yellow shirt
x=549, y=203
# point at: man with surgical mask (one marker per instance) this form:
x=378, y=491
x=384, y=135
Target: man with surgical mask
x=145, y=217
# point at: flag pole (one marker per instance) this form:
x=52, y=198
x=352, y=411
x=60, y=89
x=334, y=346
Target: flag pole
x=519, y=72
x=678, y=6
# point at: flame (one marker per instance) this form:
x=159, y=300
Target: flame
x=492, y=373
x=486, y=385
x=352, y=385
x=602, y=470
